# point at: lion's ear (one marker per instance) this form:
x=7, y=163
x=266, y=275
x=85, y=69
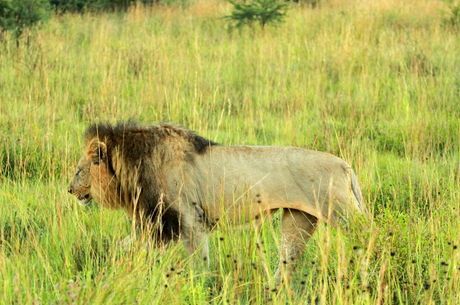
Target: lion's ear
x=97, y=151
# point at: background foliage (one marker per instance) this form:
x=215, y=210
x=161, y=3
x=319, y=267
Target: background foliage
x=375, y=82
x=16, y=16
x=262, y=12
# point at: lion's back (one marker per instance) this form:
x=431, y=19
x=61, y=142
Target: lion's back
x=275, y=177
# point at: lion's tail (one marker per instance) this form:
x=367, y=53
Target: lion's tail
x=357, y=192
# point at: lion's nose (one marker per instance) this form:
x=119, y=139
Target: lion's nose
x=70, y=190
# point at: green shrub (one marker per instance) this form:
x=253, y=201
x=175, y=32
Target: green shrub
x=257, y=11
x=95, y=5
x=17, y=15
x=70, y=5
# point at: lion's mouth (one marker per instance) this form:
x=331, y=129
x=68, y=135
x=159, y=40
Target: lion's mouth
x=85, y=200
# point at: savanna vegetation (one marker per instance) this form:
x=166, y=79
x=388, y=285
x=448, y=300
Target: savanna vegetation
x=374, y=82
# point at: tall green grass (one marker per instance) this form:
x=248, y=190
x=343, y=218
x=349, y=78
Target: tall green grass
x=376, y=83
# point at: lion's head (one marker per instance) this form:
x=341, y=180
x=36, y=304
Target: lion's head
x=125, y=166
x=93, y=177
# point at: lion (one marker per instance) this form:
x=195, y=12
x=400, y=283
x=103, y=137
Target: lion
x=182, y=184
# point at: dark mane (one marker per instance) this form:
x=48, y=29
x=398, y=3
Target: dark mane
x=136, y=144
x=132, y=135
x=107, y=130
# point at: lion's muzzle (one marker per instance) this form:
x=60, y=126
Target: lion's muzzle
x=83, y=199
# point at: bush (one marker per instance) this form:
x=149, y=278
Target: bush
x=17, y=15
x=70, y=5
x=260, y=11
x=95, y=5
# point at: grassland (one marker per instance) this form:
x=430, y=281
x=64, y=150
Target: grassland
x=375, y=82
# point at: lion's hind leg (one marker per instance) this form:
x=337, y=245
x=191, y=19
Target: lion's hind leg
x=296, y=229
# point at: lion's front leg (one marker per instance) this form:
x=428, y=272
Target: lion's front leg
x=296, y=229
x=196, y=239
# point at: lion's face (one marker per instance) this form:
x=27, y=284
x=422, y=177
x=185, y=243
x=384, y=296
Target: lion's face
x=80, y=186
x=92, y=177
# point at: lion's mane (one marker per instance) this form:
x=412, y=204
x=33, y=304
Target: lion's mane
x=136, y=159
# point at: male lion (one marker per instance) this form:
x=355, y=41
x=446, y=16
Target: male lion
x=182, y=184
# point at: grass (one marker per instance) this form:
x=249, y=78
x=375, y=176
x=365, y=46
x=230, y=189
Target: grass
x=376, y=83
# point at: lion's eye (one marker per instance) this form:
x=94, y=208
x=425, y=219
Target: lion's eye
x=78, y=172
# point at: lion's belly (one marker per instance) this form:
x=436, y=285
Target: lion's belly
x=244, y=184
